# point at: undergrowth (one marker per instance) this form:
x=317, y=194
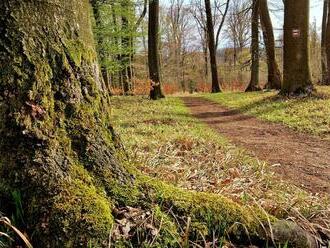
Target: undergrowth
x=165, y=142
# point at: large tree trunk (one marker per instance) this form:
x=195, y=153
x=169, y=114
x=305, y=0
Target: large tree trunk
x=274, y=74
x=153, y=50
x=54, y=109
x=324, y=63
x=254, y=81
x=60, y=153
x=211, y=42
x=296, y=70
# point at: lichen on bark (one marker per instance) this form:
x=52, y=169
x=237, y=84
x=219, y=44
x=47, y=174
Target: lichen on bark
x=58, y=148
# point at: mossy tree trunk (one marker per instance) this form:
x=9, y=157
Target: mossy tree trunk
x=274, y=74
x=212, y=48
x=153, y=50
x=296, y=70
x=59, y=151
x=254, y=81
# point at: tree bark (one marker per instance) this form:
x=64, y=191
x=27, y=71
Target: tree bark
x=98, y=22
x=274, y=74
x=60, y=153
x=211, y=42
x=254, y=81
x=324, y=63
x=126, y=73
x=54, y=106
x=153, y=50
x=217, y=39
x=296, y=78
x=327, y=38
x=206, y=57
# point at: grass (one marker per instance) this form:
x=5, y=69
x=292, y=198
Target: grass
x=311, y=115
x=5, y=223
x=164, y=141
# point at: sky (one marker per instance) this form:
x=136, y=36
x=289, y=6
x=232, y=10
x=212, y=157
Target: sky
x=316, y=7
x=316, y=12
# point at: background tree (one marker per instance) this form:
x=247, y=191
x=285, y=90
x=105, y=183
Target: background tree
x=254, y=81
x=238, y=26
x=274, y=75
x=327, y=38
x=153, y=50
x=116, y=33
x=239, y=33
x=197, y=10
x=127, y=39
x=212, y=49
x=324, y=63
x=100, y=41
x=296, y=73
x=176, y=31
x=219, y=16
x=315, y=53
x=220, y=10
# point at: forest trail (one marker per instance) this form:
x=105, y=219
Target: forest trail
x=300, y=158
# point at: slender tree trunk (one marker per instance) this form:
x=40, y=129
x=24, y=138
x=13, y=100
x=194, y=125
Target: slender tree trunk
x=125, y=57
x=224, y=15
x=296, y=78
x=274, y=74
x=153, y=50
x=211, y=42
x=206, y=58
x=131, y=62
x=254, y=81
x=117, y=76
x=324, y=63
x=327, y=38
x=145, y=48
x=104, y=71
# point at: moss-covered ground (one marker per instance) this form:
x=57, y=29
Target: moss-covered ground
x=165, y=142
x=307, y=114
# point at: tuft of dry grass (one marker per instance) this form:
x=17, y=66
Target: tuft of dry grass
x=6, y=223
x=164, y=141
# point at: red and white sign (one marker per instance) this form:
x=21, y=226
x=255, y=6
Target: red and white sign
x=295, y=33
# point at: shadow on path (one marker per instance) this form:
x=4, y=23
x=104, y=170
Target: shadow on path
x=301, y=158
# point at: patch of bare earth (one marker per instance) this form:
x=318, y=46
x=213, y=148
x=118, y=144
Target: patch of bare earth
x=300, y=158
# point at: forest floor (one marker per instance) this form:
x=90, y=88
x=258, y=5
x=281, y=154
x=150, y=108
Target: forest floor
x=164, y=140
x=301, y=158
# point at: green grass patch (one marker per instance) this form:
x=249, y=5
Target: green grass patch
x=164, y=141
x=306, y=114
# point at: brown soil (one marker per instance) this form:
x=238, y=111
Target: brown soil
x=301, y=158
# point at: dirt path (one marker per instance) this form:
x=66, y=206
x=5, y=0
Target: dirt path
x=303, y=159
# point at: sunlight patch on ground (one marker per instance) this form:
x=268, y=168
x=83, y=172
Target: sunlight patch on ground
x=164, y=141
x=310, y=115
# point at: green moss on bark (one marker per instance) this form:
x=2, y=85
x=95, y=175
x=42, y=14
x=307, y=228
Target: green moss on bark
x=83, y=211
